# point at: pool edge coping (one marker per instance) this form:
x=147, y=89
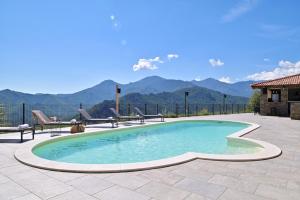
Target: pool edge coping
x=25, y=155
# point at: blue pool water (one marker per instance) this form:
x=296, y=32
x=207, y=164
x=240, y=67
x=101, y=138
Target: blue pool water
x=146, y=143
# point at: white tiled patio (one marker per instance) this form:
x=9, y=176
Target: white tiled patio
x=277, y=178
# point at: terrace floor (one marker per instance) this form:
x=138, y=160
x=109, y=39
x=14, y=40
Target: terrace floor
x=278, y=178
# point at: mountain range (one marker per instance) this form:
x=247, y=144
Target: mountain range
x=147, y=86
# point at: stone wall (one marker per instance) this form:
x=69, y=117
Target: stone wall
x=280, y=107
x=295, y=110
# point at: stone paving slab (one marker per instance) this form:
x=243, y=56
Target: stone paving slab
x=234, y=183
x=129, y=180
x=294, y=185
x=273, y=192
x=277, y=178
x=230, y=194
x=193, y=173
x=264, y=179
x=162, y=191
x=204, y=188
x=28, y=197
x=120, y=193
x=73, y=195
x=162, y=176
x=3, y=179
x=11, y=190
x=90, y=184
x=61, y=176
x=196, y=197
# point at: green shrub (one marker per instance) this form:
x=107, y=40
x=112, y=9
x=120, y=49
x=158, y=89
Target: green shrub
x=254, y=101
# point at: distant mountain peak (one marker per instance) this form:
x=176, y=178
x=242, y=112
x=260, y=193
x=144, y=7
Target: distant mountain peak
x=207, y=80
x=105, y=82
x=214, y=80
x=152, y=78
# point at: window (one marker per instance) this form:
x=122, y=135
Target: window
x=294, y=94
x=274, y=95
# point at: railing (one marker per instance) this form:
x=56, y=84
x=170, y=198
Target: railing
x=179, y=110
x=15, y=114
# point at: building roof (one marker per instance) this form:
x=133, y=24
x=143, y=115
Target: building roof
x=293, y=80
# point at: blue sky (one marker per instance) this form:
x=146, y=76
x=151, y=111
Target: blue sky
x=62, y=46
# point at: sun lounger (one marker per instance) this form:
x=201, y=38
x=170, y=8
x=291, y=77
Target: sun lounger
x=126, y=118
x=88, y=119
x=43, y=120
x=22, y=130
x=162, y=118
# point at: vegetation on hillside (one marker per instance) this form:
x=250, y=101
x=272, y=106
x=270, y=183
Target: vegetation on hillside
x=254, y=101
x=165, y=102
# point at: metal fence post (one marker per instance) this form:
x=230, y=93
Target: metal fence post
x=220, y=109
x=188, y=110
x=145, y=109
x=238, y=108
x=197, y=109
x=157, y=109
x=23, y=113
x=231, y=108
x=185, y=106
x=244, y=108
x=213, y=109
x=176, y=109
x=80, y=116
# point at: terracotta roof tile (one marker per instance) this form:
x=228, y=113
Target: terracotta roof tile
x=284, y=81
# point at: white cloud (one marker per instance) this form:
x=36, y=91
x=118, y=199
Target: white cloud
x=266, y=59
x=284, y=68
x=241, y=8
x=112, y=17
x=149, y=64
x=225, y=79
x=172, y=56
x=215, y=62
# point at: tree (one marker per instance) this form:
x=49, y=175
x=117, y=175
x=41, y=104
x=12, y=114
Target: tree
x=254, y=101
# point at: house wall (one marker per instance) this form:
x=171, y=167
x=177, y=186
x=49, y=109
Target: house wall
x=295, y=110
x=281, y=107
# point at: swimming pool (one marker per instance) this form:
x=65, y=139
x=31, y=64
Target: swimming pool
x=147, y=143
x=146, y=147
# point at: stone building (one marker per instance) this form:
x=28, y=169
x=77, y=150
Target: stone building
x=280, y=97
